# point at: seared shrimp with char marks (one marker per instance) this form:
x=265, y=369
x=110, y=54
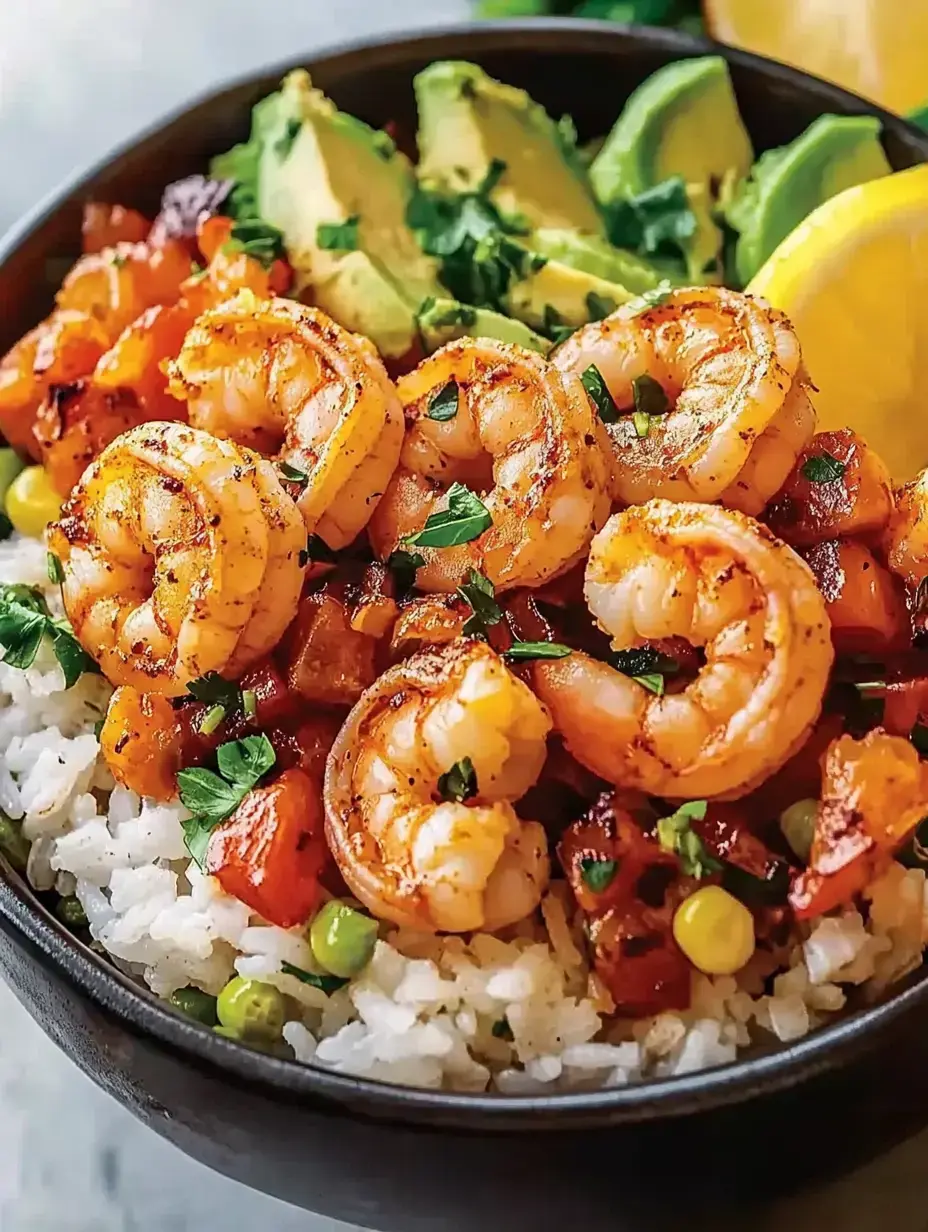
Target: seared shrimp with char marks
x=736, y=414
x=906, y=539
x=519, y=433
x=721, y=581
x=413, y=848
x=283, y=378
x=180, y=555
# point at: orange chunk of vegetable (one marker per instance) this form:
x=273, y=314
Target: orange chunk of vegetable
x=865, y=602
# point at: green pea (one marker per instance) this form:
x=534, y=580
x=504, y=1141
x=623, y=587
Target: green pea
x=251, y=1010
x=196, y=1004
x=798, y=825
x=342, y=939
x=10, y=466
x=12, y=843
x=70, y=912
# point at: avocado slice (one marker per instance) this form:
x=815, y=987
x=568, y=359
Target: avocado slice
x=787, y=184
x=560, y=295
x=338, y=190
x=682, y=124
x=467, y=120
x=445, y=320
x=591, y=254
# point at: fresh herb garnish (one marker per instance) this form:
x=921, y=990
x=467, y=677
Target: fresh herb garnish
x=599, y=306
x=25, y=620
x=403, y=566
x=653, y=682
x=822, y=468
x=459, y=783
x=598, y=874
x=339, y=236
x=656, y=222
x=650, y=400
x=552, y=325
x=520, y=652
x=465, y=519
x=215, y=690
x=211, y=798
x=444, y=403
x=642, y=661
x=212, y=720
x=293, y=474
x=325, y=983
x=480, y=593
x=286, y=141
x=654, y=298
x=256, y=238
x=317, y=552
x=599, y=395
x=55, y=569
x=430, y=316
x=675, y=834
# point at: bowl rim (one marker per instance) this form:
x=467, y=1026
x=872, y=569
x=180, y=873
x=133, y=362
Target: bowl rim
x=28, y=924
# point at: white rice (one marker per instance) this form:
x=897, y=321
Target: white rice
x=517, y=1015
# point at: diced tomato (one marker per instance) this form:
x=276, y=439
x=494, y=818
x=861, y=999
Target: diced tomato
x=212, y=232
x=280, y=276
x=272, y=850
x=105, y=226
x=865, y=603
x=807, y=511
x=306, y=744
x=638, y=960
x=327, y=661
x=725, y=830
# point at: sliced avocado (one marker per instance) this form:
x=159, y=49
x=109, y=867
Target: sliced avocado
x=593, y=255
x=339, y=190
x=444, y=320
x=787, y=184
x=561, y=295
x=682, y=122
x=467, y=120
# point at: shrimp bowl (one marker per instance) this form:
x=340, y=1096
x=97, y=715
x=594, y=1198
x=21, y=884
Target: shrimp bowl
x=443, y=648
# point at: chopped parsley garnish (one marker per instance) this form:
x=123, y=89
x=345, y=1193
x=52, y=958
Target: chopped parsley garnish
x=599, y=395
x=653, y=681
x=599, y=306
x=325, y=983
x=642, y=661
x=675, y=834
x=822, y=468
x=459, y=783
x=317, y=552
x=211, y=798
x=403, y=566
x=444, y=403
x=430, y=316
x=520, y=652
x=650, y=299
x=598, y=874
x=649, y=396
x=212, y=720
x=553, y=326
x=480, y=593
x=465, y=519
x=286, y=141
x=339, y=236
x=258, y=239
x=55, y=569
x=656, y=222
x=25, y=621
x=215, y=690
x=293, y=474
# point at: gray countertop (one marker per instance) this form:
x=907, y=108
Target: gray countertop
x=75, y=77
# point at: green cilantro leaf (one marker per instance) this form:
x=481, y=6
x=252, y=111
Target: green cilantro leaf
x=520, y=652
x=649, y=396
x=339, y=236
x=599, y=306
x=403, y=566
x=207, y=796
x=293, y=474
x=317, y=552
x=72, y=658
x=552, y=325
x=212, y=798
x=430, y=315
x=215, y=690
x=257, y=239
x=243, y=762
x=444, y=403
x=196, y=838
x=655, y=298
x=465, y=519
x=24, y=622
x=459, y=783
x=599, y=395
x=656, y=222
x=480, y=593
x=675, y=834
x=822, y=468
x=21, y=632
x=55, y=569
x=325, y=983
x=598, y=874
x=653, y=682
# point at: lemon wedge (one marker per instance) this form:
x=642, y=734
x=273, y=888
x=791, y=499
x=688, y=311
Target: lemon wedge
x=853, y=279
x=878, y=48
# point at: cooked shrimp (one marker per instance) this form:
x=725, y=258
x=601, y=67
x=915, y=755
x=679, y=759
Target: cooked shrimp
x=906, y=539
x=278, y=376
x=721, y=581
x=180, y=556
x=523, y=436
x=737, y=412
x=411, y=849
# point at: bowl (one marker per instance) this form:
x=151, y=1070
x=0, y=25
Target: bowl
x=398, y=1158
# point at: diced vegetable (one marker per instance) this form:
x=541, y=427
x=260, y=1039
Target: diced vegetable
x=865, y=602
x=196, y=1004
x=714, y=931
x=798, y=825
x=31, y=502
x=251, y=1010
x=342, y=938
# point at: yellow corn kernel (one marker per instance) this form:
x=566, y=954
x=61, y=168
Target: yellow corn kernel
x=715, y=931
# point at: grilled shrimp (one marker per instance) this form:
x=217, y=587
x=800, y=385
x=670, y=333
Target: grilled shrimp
x=180, y=556
x=414, y=849
x=277, y=376
x=735, y=411
x=906, y=539
x=721, y=581
x=521, y=434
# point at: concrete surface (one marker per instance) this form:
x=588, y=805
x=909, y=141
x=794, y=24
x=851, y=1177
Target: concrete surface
x=75, y=77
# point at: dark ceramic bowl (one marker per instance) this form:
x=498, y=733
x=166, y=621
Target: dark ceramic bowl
x=390, y=1157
